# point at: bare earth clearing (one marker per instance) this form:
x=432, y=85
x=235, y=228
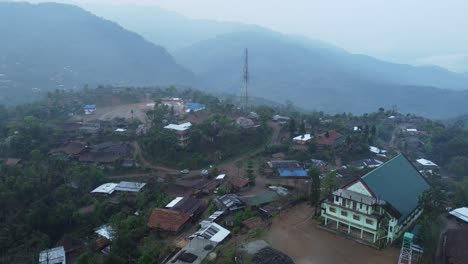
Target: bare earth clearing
x=121, y=111
x=296, y=234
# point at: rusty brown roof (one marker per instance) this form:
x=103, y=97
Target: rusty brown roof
x=167, y=220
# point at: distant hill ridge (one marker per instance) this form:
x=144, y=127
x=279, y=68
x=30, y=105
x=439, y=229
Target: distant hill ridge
x=56, y=46
x=316, y=77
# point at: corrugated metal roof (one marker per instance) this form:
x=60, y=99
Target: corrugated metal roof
x=461, y=213
x=126, y=186
x=213, y=232
x=174, y=202
x=53, y=255
x=105, y=231
x=292, y=173
x=107, y=188
x=398, y=182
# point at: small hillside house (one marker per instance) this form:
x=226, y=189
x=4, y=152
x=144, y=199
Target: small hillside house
x=89, y=109
x=379, y=206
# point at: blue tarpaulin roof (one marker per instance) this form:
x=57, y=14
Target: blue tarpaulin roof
x=89, y=106
x=293, y=173
x=194, y=106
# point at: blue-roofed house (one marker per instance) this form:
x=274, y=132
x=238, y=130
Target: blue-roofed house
x=194, y=107
x=379, y=206
x=293, y=173
x=89, y=109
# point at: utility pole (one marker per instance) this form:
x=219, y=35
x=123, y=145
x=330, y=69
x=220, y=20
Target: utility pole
x=245, y=81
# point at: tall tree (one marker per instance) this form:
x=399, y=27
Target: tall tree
x=292, y=126
x=314, y=196
x=302, y=129
x=329, y=183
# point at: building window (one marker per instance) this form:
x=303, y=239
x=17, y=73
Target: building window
x=337, y=199
x=369, y=221
x=332, y=209
x=356, y=217
x=391, y=229
x=344, y=213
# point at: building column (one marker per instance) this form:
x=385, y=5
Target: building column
x=374, y=237
x=337, y=224
x=362, y=233
x=349, y=228
x=326, y=220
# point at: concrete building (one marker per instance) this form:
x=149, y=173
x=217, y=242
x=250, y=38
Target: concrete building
x=182, y=132
x=379, y=206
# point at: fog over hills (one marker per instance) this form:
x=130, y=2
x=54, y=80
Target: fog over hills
x=311, y=73
x=56, y=46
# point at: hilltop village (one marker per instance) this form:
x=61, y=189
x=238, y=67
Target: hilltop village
x=167, y=175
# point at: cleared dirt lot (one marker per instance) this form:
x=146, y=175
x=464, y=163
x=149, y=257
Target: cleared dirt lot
x=122, y=111
x=294, y=233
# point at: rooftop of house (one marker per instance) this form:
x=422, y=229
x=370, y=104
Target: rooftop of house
x=194, y=106
x=119, y=148
x=12, y=162
x=187, y=205
x=376, y=150
x=460, y=213
x=231, y=201
x=99, y=157
x=426, y=162
x=90, y=106
x=106, y=188
x=305, y=137
x=181, y=127
x=261, y=198
x=318, y=163
x=397, y=182
x=53, y=255
x=194, y=252
x=371, y=163
x=106, y=231
x=279, y=117
x=212, y=232
x=220, y=176
x=74, y=148
x=293, y=173
x=126, y=186
x=238, y=182
x=328, y=139
x=284, y=164
x=167, y=220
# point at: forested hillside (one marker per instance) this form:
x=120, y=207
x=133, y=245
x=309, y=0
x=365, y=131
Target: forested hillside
x=55, y=46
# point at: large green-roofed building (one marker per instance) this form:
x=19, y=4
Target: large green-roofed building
x=380, y=205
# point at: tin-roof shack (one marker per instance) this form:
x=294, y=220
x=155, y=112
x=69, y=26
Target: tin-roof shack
x=53, y=256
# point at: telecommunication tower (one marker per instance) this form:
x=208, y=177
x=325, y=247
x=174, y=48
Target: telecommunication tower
x=245, y=81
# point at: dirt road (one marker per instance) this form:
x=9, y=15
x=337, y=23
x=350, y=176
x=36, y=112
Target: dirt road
x=296, y=234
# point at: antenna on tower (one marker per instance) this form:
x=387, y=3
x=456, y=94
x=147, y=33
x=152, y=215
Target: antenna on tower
x=245, y=80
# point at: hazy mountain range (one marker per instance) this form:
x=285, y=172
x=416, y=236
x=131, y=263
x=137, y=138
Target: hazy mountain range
x=61, y=46
x=56, y=46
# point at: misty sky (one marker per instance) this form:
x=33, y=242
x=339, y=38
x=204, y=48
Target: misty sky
x=410, y=31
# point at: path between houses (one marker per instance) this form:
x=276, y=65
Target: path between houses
x=146, y=164
x=228, y=166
